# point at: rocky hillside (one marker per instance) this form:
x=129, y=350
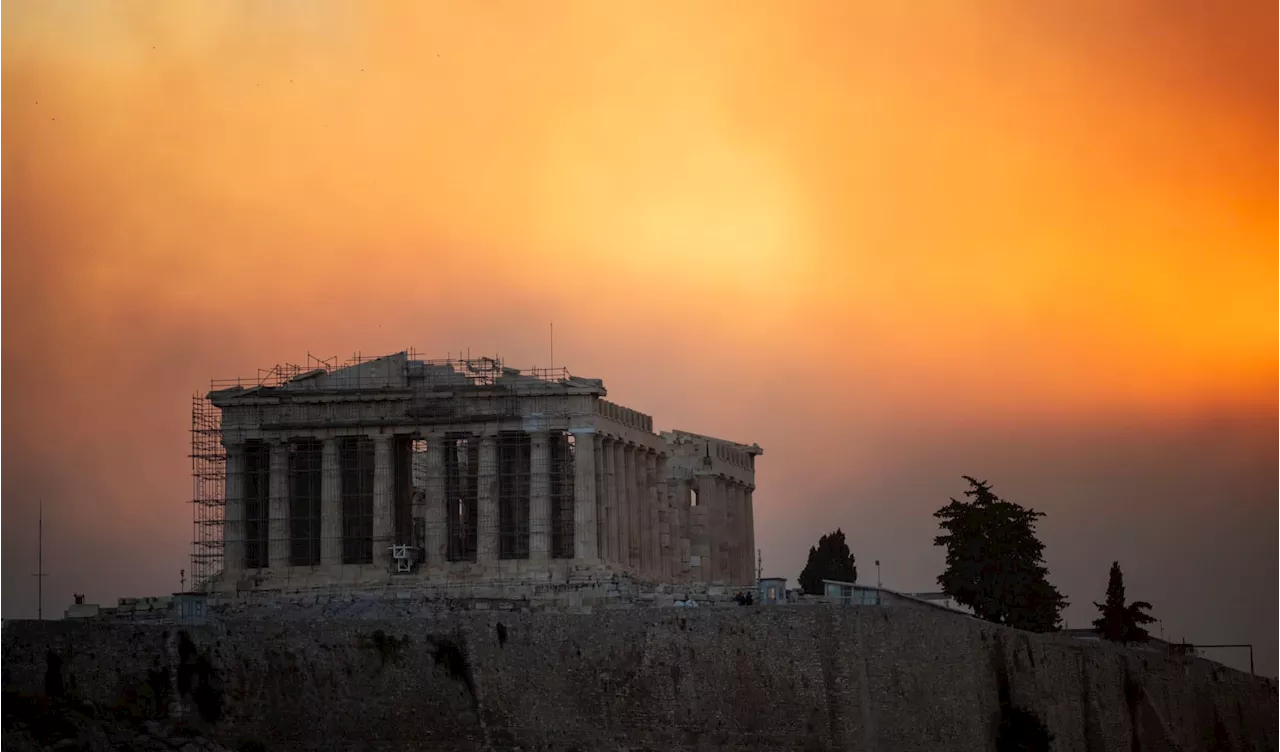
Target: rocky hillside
x=782, y=678
x=38, y=723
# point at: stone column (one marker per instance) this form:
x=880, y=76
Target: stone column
x=652, y=535
x=233, y=512
x=330, y=505
x=278, y=509
x=748, y=555
x=713, y=524
x=437, y=521
x=539, y=496
x=707, y=522
x=609, y=541
x=633, y=509
x=729, y=548
x=732, y=543
x=619, y=491
x=663, y=537
x=585, y=546
x=724, y=532
x=743, y=545
x=678, y=496
x=750, y=520
x=661, y=532
x=602, y=520
x=724, y=559
x=642, y=511
x=383, y=508
x=487, y=501
x=699, y=530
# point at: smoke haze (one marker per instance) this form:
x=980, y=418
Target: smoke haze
x=1034, y=243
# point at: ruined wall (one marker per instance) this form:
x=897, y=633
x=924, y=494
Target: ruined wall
x=715, y=678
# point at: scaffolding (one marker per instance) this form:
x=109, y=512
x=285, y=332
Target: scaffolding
x=208, y=474
x=461, y=476
x=257, y=504
x=494, y=509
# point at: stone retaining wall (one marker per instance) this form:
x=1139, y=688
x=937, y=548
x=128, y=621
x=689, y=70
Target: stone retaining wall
x=781, y=677
x=427, y=601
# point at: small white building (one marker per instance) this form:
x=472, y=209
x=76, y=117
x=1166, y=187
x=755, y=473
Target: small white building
x=853, y=594
x=81, y=610
x=190, y=607
x=772, y=591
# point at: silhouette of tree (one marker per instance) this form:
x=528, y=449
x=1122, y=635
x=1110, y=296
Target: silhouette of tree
x=1120, y=622
x=995, y=563
x=830, y=560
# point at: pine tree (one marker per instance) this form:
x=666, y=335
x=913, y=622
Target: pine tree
x=995, y=563
x=1121, y=622
x=830, y=560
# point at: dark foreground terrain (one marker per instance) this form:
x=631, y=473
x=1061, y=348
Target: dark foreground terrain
x=39, y=722
x=785, y=678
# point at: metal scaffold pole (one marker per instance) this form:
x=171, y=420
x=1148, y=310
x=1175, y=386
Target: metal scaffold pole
x=40, y=574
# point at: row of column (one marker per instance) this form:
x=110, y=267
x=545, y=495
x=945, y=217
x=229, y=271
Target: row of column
x=279, y=536
x=633, y=530
x=434, y=512
x=431, y=508
x=625, y=511
x=722, y=531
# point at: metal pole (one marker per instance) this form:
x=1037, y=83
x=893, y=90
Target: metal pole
x=40, y=565
x=40, y=575
x=878, y=583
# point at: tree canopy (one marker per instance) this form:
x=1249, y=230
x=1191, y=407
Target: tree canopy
x=830, y=560
x=1121, y=622
x=995, y=563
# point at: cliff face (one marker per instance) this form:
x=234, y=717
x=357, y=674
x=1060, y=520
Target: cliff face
x=742, y=678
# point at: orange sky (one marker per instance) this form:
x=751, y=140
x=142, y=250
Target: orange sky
x=822, y=228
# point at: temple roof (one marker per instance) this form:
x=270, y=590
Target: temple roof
x=399, y=371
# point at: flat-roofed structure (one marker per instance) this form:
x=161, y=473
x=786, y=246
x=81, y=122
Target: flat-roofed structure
x=399, y=470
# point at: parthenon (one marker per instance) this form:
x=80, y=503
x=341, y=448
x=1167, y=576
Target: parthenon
x=397, y=469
